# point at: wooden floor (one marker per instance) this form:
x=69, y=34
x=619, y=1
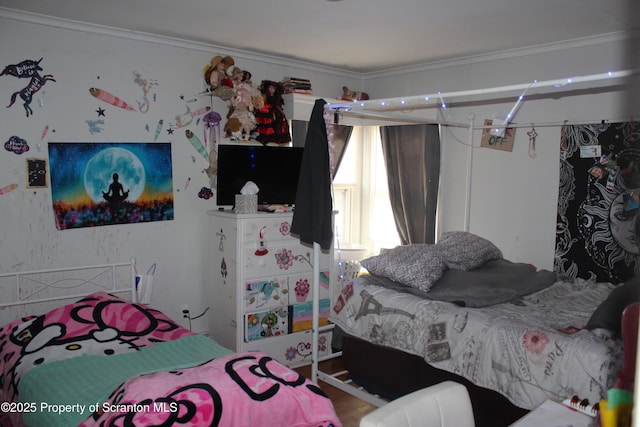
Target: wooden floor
x=349, y=408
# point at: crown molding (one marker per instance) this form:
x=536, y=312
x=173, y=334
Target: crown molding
x=71, y=25
x=504, y=54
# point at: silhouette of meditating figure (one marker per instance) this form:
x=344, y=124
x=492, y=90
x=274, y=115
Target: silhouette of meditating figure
x=116, y=193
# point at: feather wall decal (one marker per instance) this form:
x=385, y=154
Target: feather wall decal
x=109, y=98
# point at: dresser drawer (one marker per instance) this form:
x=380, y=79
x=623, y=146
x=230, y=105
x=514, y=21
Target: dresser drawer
x=266, y=293
x=295, y=349
x=300, y=287
x=284, y=320
x=267, y=228
x=301, y=316
x=266, y=324
x=280, y=258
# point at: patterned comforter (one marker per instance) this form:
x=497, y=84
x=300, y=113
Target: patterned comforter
x=529, y=350
x=105, y=361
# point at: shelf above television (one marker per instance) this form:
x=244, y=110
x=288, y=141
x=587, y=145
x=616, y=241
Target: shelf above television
x=299, y=107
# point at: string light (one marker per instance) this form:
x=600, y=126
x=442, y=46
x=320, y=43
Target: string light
x=442, y=104
x=501, y=126
x=424, y=100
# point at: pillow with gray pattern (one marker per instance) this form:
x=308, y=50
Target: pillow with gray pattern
x=465, y=251
x=415, y=265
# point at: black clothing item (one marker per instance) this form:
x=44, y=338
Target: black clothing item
x=312, y=216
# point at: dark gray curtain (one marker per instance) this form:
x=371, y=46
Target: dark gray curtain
x=341, y=136
x=412, y=159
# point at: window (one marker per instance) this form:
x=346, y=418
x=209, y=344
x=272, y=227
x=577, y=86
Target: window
x=360, y=194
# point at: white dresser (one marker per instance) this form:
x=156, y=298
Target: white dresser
x=259, y=286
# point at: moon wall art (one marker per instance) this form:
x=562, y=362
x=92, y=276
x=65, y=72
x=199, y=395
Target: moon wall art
x=96, y=184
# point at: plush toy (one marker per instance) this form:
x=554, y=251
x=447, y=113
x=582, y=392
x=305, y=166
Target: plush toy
x=233, y=129
x=216, y=77
x=211, y=122
x=272, y=122
x=352, y=95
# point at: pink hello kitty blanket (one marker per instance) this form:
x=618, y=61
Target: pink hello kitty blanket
x=244, y=389
x=241, y=389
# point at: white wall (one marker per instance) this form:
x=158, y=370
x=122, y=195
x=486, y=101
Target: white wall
x=513, y=196
x=78, y=57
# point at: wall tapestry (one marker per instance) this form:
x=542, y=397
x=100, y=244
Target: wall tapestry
x=598, y=223
x=94, y=184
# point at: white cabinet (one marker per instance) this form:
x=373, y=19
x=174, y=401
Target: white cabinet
x=259, y=286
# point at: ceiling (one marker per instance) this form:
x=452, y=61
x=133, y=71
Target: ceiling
x=362, y=36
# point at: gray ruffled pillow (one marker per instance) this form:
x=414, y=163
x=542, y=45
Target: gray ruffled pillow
x=416, y=265
x=465, y=251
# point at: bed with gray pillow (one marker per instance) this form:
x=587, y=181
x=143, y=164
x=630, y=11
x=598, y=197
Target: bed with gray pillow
x=501, y=325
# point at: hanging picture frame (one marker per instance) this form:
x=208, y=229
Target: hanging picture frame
x=36, y=173
x=96, y=184
x=504, y=143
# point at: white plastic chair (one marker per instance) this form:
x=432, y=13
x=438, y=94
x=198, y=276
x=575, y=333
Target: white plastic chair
x=442, y=405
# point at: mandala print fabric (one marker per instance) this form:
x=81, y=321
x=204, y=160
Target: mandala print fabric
x=598, y=221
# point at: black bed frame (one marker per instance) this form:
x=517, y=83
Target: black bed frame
x=392, y=373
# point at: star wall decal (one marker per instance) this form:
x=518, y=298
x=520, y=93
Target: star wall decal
x=170, y=130
x=100, y=112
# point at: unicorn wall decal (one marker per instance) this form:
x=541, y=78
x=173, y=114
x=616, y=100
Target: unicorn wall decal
x=27, y=69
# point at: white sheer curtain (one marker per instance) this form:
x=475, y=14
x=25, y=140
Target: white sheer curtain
x=361, y=194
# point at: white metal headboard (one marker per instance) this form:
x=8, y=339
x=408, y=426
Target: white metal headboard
x=54, y=284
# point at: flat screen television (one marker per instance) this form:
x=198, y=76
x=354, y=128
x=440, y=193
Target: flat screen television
x=274, y=170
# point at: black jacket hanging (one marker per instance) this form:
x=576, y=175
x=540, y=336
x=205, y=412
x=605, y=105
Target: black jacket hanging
x=312, y=217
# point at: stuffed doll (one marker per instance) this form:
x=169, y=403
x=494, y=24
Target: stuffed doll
x=256, y=95
x=217, y=79
x=242, y=106
x=272, y=122
x=233, y=129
